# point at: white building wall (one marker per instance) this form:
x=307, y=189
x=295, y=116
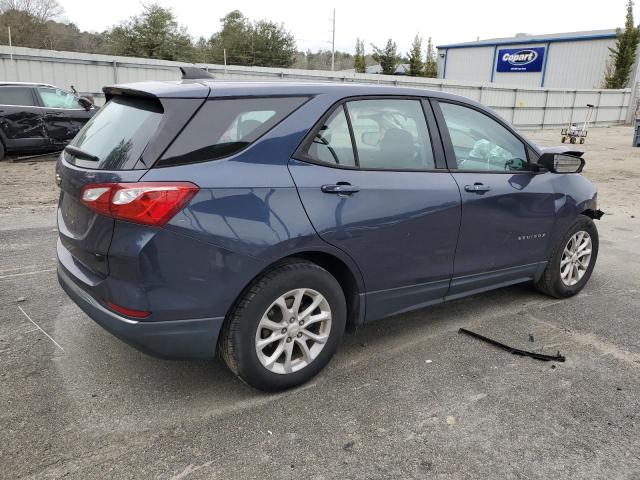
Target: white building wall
x=571, y=64
x=577, y=64
x=469, y=64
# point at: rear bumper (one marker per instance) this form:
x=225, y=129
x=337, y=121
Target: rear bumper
x=186, y=339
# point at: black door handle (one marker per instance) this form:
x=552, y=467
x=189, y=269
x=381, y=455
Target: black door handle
x=340, y=188
x=477, y=188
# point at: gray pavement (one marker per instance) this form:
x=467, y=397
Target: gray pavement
x=406, y=397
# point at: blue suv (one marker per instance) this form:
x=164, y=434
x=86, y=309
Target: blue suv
x=260, y=220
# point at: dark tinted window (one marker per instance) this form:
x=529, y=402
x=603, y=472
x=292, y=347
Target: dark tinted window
x=332, y=143
x=391, y=134
x=16, y=96
x=118, y=133
x=224, y=127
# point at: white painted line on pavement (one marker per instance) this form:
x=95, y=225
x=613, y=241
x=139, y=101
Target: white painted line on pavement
x=27, y=273
x=39, y=328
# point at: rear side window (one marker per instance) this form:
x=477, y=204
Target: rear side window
x=118, y=133
x=16, y=96
x=224, y=127
x=332, y=143
x=389, y=134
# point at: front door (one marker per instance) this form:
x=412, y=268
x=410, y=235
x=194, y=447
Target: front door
x=373, y=183
x=508, y=211
x=64, y=116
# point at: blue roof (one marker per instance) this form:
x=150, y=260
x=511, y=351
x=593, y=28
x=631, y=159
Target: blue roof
x=529, y=39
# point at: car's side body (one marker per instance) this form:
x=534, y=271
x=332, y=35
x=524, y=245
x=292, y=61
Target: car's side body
x=29, y=122
x=405, y=240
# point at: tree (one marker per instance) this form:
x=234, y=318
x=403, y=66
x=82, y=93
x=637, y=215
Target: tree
x=415, y=57
x=261, y=43
x=430, y=64
x=387, y=57
x=153, y=34
x=623, y=55
x=359, y=60
x=40, y=10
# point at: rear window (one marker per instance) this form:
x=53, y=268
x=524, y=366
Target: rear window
x=16, y=96
x=224, y=127
x=118, y=134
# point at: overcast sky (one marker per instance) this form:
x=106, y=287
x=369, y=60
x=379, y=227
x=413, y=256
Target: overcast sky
x=446, y=21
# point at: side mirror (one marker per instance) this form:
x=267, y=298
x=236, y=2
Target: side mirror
x=85, y=102
x=561, y=163
x=370, y=138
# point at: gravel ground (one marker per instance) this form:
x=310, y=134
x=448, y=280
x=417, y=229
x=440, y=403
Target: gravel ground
x=406, y=397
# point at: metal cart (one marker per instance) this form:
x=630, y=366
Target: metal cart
x=575, y=134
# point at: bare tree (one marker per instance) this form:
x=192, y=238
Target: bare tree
x=41, y=10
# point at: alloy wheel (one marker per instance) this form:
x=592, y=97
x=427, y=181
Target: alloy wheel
x=293, y=331
x=575, y=258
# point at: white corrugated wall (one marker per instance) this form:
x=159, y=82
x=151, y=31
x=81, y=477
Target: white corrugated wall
x=530, y=107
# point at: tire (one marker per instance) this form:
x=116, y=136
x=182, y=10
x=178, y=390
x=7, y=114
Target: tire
x=572, y=140
x=2, y=151
x=245, y=326
x=582, y=141
x=563, y=139
x=552, y=282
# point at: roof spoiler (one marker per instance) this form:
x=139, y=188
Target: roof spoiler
x=194, y=73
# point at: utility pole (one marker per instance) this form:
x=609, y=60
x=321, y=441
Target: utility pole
x=333, y=42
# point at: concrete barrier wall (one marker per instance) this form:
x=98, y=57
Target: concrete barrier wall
x=524, y=107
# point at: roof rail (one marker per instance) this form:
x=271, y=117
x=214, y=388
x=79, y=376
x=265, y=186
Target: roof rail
x=194, y=73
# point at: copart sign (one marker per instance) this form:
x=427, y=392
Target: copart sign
x=520, y=59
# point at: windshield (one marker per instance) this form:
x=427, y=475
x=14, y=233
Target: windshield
x=118, y=134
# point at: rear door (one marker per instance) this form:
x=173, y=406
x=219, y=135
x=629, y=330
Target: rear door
x=508, y=210
x=21, y=118
x=63, y=114
x=372, y=179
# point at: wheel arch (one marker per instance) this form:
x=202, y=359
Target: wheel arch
x=345, y=272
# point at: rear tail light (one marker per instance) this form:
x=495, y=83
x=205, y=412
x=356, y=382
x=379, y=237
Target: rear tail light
x=148, y=203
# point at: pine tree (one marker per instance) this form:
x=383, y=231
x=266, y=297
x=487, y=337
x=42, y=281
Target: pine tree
x=430, y=64
x=624, y=54
x=415, y=57
x=359, y=59
x=387, y=57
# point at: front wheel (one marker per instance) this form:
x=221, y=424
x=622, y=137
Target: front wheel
x=286, y=327
x=572, y=261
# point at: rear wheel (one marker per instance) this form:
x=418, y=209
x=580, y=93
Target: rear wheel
x=2, y=151
x=286, y=327
x=572, y=261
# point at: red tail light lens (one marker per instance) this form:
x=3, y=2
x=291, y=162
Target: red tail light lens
x=148, y=203
x=128, y=312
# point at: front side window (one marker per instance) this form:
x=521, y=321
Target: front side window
x=391, y=134
x=481, y=143
x=16, y=96
x=223, y=127
x=56, y=98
